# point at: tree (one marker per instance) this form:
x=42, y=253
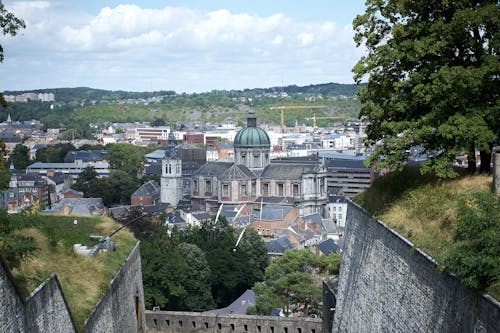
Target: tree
x=55, y=153
x=233, y=270
x=127, y=158
x=10, y=24
x=432, y=80
x=20, y=157
x=115, y=189
x=475, y=252
x=289, y=283
x=13, y=246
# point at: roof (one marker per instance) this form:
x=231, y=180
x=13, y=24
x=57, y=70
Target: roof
x=275, y=200
x=279, y=245
x=238, y=172
x=239, y=306
x=201, y=216
x=347, y=164
x=251, y=137
x=81, y=206
x=274, y=212
x=85, y=155
x=337, y=199
x=312, y=218
x=328, y=246
x=158, y=154
x=287, y=171
x=40, y=165
x=147, y=189
x=216, y=169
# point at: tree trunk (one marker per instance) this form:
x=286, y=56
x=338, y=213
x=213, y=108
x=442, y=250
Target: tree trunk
x=485, y=166
x=471, y=159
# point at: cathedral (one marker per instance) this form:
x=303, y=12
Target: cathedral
x=253, y=179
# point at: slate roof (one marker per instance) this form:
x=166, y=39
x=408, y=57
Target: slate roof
x=337, y=199
x=274, y=212
x=147, y=189
x=85, y=155
x=279, y=245
x=312, y=218
x=201, y=216
x=216, y=169
x=342, y=163
x=239, y=306
x=238, y=172
x=292, y=171
x=154, y=169
x=275, y=200
x=328, y=246
x=158, y=154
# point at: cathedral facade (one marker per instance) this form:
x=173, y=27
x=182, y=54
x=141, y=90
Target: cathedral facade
x=254, y=179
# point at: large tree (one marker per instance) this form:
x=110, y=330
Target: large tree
x=20, y=157
x=432, y=80
x=126, y=157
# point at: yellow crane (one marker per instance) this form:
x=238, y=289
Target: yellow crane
x=283, y=107
x=314, y=118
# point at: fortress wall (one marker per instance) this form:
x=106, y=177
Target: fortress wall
x=386, y=285
x=11, y=305
x=192, y=322
x=46, y=309
x=122, y=307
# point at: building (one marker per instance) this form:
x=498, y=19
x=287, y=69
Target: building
x=171, y=175
x=350, y=175
x=253, y=178
x=25, y=190
x=336, y=209
x=72, y=169
x=146, y=195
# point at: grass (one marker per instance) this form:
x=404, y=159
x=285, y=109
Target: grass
x=423, y=209
x=84, y=280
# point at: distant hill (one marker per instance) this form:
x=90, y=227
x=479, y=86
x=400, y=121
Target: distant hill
x=66, y=95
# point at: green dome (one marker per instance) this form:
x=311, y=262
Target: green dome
x=251, y=137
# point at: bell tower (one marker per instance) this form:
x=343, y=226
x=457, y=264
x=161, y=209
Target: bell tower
x=171, y=174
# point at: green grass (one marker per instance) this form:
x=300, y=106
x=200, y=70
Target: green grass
x=424, y=209
x=84, y=280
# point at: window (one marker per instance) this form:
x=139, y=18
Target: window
x=243, y=159
x=296, y=190
x=280, y=189
x=256, y=159
x=243, y=190
x=195, y=185
x=265, y=189
x=340, y=217
x=254, y=189
x=208, y=186
x=225, y=190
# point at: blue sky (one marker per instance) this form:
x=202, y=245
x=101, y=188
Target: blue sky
x=186, y=46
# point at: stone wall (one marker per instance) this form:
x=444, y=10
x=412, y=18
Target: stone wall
x=122, y=307
x=386, y=285
x=192, y=322
x=45, y=310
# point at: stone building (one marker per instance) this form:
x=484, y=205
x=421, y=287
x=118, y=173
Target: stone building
x=253, y=178
x=171, y=175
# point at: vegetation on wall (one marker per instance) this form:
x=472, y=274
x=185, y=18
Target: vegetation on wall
x=455, y=221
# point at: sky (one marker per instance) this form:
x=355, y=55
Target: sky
x=186, y=46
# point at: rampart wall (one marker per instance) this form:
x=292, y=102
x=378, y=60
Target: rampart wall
x=121, y=309
x=387, y=285
x=45, y=310
x=192, y=322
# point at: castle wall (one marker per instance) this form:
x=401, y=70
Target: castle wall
x=122, y=307
x=45, y=310
x=386, y=285
x=192, y=322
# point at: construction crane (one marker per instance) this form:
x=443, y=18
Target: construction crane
x=314, y=118
x=283, y=107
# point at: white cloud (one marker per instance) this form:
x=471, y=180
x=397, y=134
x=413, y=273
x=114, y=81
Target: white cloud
x=124, y=46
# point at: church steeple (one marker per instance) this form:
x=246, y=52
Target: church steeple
x=170, y=152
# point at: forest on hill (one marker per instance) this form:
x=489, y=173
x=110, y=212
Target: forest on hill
x=77, y=108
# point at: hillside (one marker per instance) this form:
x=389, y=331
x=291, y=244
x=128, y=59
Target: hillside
x=78, y=107
x=84, y=280
x=455, y=221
